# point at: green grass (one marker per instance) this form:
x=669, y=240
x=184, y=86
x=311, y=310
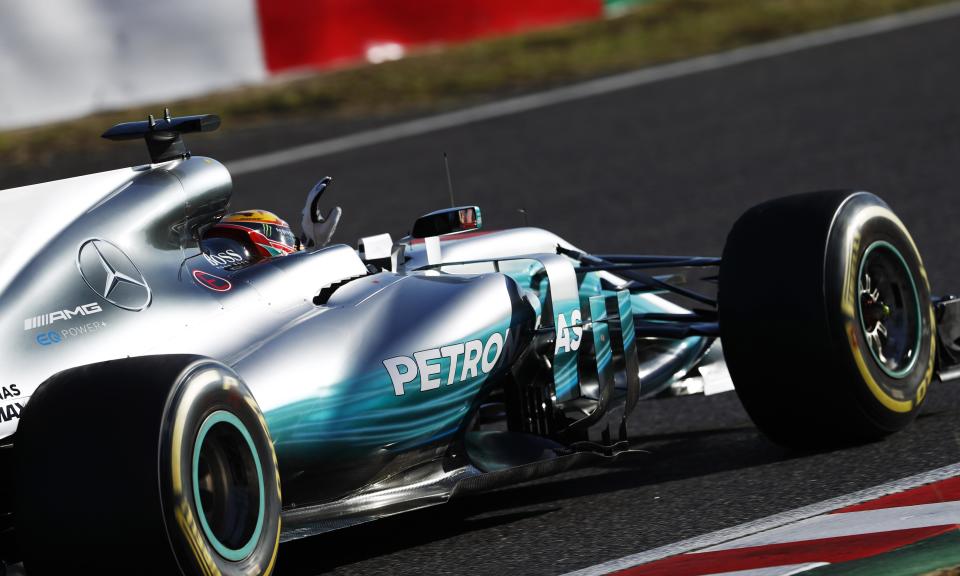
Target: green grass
x=662, y=31
x=935, y=556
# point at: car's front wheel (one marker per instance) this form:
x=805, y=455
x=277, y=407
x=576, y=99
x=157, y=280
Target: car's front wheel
x=155, y=465
x=826, y=319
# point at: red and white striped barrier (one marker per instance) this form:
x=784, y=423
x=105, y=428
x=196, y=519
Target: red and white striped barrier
x=312, y=34
x=65, y=58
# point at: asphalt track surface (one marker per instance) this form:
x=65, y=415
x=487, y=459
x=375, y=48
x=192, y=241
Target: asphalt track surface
x=665, y=168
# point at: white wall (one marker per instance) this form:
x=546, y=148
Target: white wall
x=66, y=58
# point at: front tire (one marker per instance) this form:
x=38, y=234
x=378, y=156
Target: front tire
x=826, y=319
x=178, y=476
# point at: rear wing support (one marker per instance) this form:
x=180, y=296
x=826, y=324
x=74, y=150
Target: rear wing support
x=163, y=137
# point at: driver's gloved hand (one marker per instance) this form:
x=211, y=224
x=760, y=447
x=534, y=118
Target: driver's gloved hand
x=317, y=228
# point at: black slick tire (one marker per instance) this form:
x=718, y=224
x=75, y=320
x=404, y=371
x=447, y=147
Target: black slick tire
x=153, y=465
x=799, y=319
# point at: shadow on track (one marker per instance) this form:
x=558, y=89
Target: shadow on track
x=671, y=457
x=323, y=553
x=693, y=441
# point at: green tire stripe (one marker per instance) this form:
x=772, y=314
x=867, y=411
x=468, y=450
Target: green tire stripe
x=235, y=555
x=916, y=299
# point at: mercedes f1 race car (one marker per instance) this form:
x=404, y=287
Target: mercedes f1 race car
x=183, y=390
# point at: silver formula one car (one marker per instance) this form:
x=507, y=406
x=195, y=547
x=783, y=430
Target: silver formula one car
x=183, y=390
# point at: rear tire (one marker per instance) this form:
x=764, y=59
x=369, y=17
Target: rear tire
x=826, y=319
x=155, y=465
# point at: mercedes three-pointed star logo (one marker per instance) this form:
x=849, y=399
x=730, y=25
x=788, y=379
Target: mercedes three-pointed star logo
x=109, y=272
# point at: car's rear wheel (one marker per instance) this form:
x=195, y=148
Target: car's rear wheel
x=157, y=465
x=826, y=319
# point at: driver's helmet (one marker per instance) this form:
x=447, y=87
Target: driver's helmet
x=265, y=232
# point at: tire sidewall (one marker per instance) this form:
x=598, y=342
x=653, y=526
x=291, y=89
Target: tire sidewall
x=862, y=221
x=206, y=388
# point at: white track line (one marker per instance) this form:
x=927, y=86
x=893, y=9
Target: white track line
x=770, y=522
x=851, y=524
x=592, y=88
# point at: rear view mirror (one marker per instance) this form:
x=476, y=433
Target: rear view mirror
x=447, y=221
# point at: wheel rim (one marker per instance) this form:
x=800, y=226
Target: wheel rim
x=889, y=308
x=228, y=486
